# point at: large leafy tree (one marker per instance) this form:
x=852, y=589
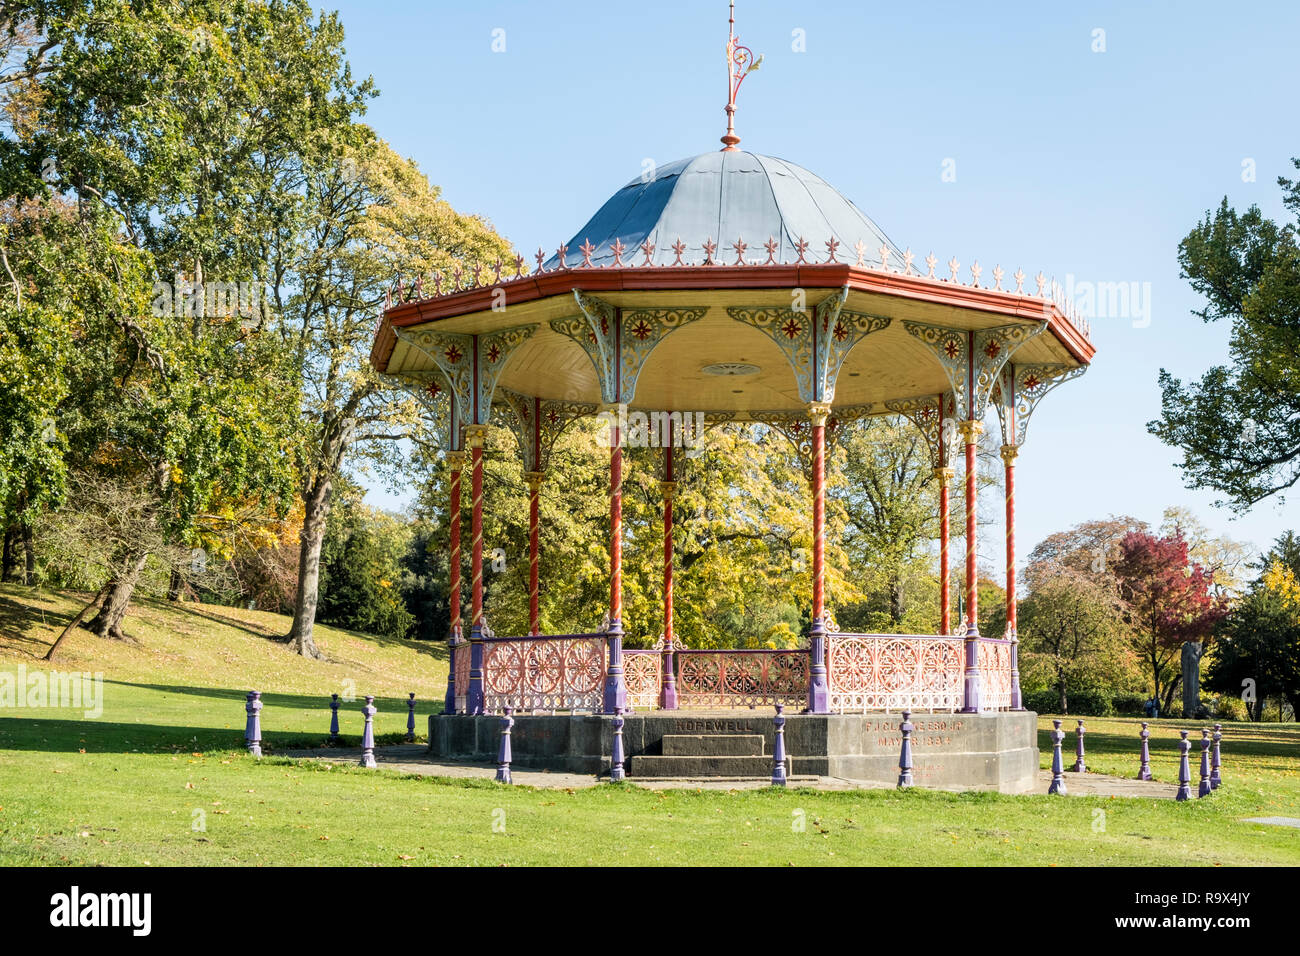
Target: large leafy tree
x=369, y=216
x=191, y=124
x=1168, y=602
x=1239, y=426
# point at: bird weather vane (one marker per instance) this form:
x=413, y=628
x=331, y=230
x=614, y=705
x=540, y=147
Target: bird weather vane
x=740, y=63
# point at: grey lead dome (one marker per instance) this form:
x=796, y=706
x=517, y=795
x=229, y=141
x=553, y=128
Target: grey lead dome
x=724, y=196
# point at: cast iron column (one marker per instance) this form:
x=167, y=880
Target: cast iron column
x=945, y=593
x=474, y=700
x=668, y=687
x=456, y=461
x=818, y=690
x=1009, y=453
x=970, y=432
x=534, y=479
x=615, y=696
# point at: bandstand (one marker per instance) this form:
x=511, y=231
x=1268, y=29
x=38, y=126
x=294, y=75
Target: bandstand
x=734, y=287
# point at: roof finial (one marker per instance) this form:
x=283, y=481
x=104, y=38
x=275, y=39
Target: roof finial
x=740, y=63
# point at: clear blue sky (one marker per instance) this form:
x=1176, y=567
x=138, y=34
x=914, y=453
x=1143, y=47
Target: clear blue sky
x=1082, y=163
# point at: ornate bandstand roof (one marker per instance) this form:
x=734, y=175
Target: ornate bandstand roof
x=735, y=283
x=722, y=195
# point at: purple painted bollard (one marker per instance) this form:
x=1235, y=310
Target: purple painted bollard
x=253, y=728
x=1078, y=750
x=410, y=719
x=1144, y=771
x=1058, y=766
x=1184, y=769
x=1215, y=779
x=616, y=756
x=778, y=749
x=334, y=718
x=503, y=749
x=368, y=737
x=905, y=757
x=1204, y=789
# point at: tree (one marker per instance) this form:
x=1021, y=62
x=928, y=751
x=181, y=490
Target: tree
x=1239, y=426
x=371, y=215
x=1071, y=629
x=1259, y=642
x=1168, y=604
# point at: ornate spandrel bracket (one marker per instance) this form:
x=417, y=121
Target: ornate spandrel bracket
x=619, y=342
x=815, y=345
x=642, y=330
x=471, y=364
x=931, y=414
x=972, y=360
x=494, y=350
x=453, y=355
x=797, y=429
x=538, y=423
x=432, y=394
x=1018, y=391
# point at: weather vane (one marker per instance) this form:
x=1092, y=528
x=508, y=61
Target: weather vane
x=740, y=63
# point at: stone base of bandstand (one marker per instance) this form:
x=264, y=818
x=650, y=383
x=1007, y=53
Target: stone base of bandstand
x=991, y=751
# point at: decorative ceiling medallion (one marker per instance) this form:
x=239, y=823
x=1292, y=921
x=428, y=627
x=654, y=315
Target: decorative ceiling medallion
x=731, y=368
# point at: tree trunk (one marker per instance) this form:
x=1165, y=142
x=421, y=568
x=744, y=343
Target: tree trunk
x=1169, y=695
x=316, y=510
x=49, y=655
x=7, y=562
x=29, y=557
x=174, y=586
x=896, y=602
x=108, y=622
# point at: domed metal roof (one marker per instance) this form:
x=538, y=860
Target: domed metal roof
x=724, y=197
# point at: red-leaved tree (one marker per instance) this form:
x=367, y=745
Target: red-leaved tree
x=1168, y=602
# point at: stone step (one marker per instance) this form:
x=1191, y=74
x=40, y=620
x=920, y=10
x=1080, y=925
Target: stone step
x=644, y=765
x=713, y=745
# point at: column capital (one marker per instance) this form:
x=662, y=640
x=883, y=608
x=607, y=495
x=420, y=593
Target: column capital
x=1009, y=453
x=476, y=435
x=455, y=460
x=971, y=430
x=944, y=475
x=668, y=489
x=534, y=479
x=818, y=412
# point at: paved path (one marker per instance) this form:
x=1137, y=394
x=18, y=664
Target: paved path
x=414, y=758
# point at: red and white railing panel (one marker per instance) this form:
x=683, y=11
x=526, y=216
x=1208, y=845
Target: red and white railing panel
x=741, y=678
x=563, y=672
x=643, y=676
x=893, y=672
x=994, y=657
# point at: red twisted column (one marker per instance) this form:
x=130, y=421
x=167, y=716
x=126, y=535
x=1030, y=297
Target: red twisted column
x=970, y=432
x=474, y=699
x=534, y=479
x=456, y=461
x=1009, y=453
x=945, y=584
x=615, y=695
x=668, y=691
x=818, y=688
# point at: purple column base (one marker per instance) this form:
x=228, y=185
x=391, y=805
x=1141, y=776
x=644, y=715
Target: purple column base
x=475, y=701
x=819, y=692
x=971, y=687
x=449, y=698
x=614, y=699
x=668, y=688
x=1017, y=700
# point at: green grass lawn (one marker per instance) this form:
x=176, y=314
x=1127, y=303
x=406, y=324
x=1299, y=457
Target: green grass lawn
x=160, y=778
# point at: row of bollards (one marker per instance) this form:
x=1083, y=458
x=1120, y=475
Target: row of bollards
x=253, y=726
x=1210, y=767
